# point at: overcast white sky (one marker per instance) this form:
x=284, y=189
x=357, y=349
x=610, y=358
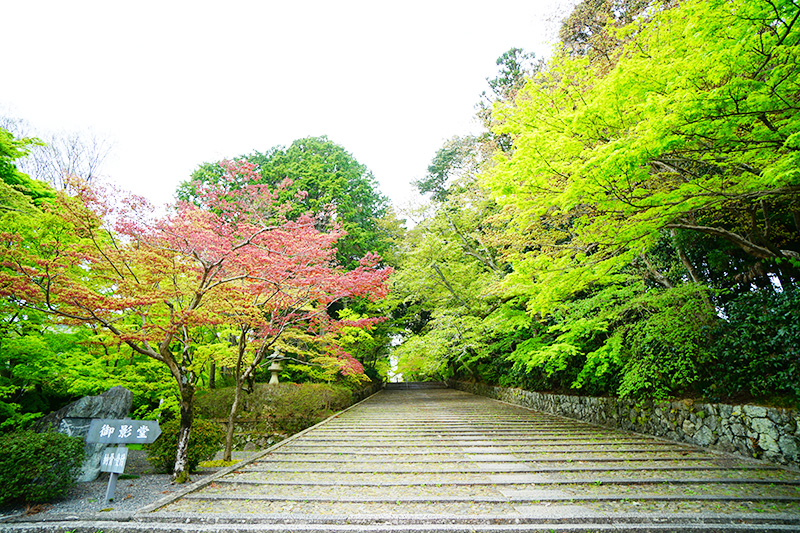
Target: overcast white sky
x=173, y=84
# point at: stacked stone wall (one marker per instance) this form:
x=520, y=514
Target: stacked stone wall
x=772, y=434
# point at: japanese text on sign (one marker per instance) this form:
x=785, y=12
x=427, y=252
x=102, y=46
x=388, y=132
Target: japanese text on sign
x=114, y=460
x=123, y=431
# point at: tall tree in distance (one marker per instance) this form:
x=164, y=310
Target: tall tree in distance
x=589, y=29
x=516, y=66
x=336, y=189
x=18, y=190
x=56, y=158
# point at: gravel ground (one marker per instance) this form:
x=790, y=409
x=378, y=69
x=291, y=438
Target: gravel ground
x=130, y=495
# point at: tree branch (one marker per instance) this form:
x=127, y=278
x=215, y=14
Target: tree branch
x=745, y=244
x=436, y=269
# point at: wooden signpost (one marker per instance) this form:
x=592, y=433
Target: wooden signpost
x=119, y=432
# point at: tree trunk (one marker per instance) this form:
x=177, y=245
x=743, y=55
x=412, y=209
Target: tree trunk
x=660, y=278
x=212, y=374
x=231, y=418
x=687, y=264
x=181, y=471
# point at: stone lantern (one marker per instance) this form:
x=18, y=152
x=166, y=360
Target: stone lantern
x=275, y=368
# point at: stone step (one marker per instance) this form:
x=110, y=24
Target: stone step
x=537, y=497
x=461, y=450
x=497, y=481
x=433, y=432
x=542, y=515
x=587, y=475
x=657, y=509
x=486, y=458
x=380, y=525
x=441, y=441
x=442, y=460
x=432, y=468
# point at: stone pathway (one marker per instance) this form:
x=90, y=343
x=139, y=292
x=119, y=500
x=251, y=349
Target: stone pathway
x=427, y=459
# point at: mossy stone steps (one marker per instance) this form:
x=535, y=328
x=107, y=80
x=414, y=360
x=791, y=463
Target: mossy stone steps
x=433, y=459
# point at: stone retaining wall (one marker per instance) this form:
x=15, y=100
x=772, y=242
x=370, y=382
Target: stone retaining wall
x=752, y=431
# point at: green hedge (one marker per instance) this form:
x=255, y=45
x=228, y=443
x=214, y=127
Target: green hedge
x=288, y=407
x=38, y=467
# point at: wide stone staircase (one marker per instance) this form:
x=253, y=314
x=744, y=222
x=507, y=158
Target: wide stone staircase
x=427, y=458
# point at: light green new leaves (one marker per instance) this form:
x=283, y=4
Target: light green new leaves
x=697, y=109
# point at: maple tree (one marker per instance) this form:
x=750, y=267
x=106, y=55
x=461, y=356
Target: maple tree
x=339, y=191
x=156, y=283
x=643, y=202
x=692, y=127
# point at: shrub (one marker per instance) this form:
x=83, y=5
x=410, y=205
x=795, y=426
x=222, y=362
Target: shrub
x=289, y=407
x=295, y=407
x=217, y=403
x=38, y=467
x=756, y=349
x=205, y=440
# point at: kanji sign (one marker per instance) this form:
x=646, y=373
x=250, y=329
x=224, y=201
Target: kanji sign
x=114, y=460
x=108, y=431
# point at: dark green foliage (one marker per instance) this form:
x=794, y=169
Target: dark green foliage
x=757, y=349
x=38, y=467
x=515, y=65
x=296, y=407
x=336, y=188
x=289, y=407
x=205, y=440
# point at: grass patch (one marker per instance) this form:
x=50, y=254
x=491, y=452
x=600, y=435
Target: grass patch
x=217, y=464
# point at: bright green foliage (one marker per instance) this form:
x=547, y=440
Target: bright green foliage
x=666, y=345
x=38, y=467
x=13, y=182
x=646, y=184
x=448, y=270
x=336, y=187
x=206, y=439
x=622, y=339
x=44, y=367
x=692, y=121
x=368, y=345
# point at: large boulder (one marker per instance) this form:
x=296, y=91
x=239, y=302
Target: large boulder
x=75, y=419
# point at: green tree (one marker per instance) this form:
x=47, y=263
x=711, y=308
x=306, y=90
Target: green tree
x=323, y=179
x=17, y=190
x=694, y=128
x=591, y=27
x=448, y=269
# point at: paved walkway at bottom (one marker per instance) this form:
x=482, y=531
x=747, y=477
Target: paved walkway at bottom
x=445, y=460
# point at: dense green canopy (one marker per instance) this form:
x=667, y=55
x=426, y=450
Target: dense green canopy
x=338, y=189
x=641, y=203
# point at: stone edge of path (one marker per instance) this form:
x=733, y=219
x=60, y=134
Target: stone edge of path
x=224, y=472
x=705, y=449
x=732, y=431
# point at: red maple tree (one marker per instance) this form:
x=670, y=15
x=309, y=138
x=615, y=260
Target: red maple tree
x=156, y=283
